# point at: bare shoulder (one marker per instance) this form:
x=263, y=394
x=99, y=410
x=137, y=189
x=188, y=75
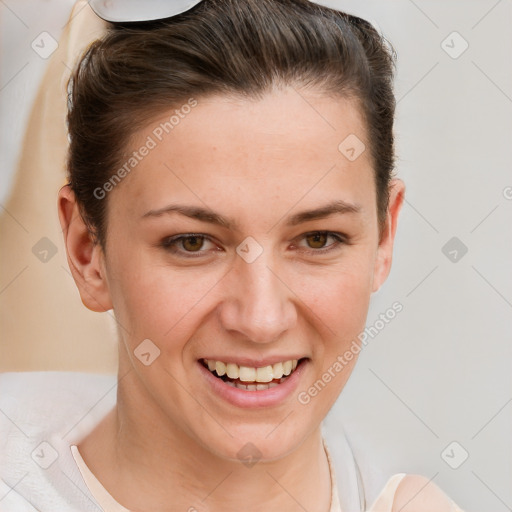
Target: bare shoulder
x=416, y=493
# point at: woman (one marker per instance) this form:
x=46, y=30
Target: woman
x=230, y=198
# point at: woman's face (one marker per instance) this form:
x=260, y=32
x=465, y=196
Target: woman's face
x=246, y=236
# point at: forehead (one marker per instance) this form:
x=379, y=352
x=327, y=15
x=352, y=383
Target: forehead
x=289, y=143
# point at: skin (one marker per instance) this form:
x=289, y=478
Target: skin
x=256, y=162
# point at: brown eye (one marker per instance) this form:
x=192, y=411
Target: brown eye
x=189, y=245
x=321, y=242
x=317, y=240
x=192, y=243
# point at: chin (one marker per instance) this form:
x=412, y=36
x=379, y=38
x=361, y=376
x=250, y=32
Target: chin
x=251, y=444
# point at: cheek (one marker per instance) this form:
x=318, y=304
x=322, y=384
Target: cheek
x=339, y=297
x=339, y=301
x=157, y=302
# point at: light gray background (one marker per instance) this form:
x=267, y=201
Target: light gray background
x=441, y=370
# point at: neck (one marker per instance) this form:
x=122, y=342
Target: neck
x=173, y=471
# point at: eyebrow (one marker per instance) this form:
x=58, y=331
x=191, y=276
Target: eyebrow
x=207, y=215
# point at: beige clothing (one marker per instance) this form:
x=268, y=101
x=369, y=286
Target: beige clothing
x=383, y=503
x=108, y=503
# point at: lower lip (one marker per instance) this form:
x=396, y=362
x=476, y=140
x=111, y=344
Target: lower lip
x=254, y=399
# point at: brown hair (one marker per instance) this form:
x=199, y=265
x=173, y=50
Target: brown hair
x=230, y=47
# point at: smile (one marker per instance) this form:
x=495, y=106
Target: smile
x=251, y=378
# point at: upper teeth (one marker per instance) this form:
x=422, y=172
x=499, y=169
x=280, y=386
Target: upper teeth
x=248, y=374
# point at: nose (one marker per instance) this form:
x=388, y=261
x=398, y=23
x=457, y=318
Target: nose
x=258, y=304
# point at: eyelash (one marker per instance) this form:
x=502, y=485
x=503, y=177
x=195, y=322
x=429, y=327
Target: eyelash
x=170, y=244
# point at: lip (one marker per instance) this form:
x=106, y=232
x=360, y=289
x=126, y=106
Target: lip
x=254, y=399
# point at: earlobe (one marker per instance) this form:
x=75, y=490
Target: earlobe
x=85, y=256
x=385, y=248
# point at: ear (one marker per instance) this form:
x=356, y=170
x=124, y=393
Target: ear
x=387, y=238
x=85, y=256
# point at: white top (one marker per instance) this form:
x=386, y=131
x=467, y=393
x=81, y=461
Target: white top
x=44, y=415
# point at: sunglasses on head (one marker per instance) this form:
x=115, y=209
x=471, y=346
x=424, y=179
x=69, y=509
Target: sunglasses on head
x=126, y=11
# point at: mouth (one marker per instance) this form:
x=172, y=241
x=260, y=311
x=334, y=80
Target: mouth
x=248, y=378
